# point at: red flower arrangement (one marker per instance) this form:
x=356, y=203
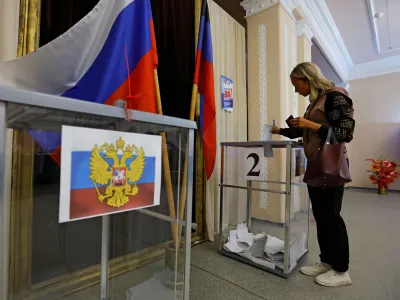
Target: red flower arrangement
x=384, y=172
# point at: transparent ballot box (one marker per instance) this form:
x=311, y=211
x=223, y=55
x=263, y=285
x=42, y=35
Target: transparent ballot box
x=264, y=206
x=137, y=245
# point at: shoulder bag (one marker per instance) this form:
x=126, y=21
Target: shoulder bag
x=329, y=166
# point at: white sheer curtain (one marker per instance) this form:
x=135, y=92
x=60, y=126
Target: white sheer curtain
x=9, y=17
x=229, y=55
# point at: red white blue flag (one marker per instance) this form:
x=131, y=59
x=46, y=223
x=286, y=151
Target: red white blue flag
x=108, y=172
x=89, y=62
x=204, y=79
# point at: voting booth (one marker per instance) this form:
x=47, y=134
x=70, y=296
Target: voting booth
x=249, y=185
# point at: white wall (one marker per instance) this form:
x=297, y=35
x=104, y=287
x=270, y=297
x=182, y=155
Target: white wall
x=377, y=114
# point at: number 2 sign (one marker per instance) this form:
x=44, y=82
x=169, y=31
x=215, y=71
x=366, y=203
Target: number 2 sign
x=252, y=162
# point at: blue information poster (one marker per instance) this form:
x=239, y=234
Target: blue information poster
x=227, y=93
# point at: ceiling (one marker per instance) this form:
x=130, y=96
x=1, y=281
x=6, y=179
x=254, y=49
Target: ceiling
x=355, y=22
x=319, y=58
x=233, y=8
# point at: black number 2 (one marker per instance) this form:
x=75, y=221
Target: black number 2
x=256, y=161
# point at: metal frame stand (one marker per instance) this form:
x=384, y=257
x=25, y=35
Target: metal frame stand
x=105, y=244
x=3, y=207
x=288, y=198
x=289, y=146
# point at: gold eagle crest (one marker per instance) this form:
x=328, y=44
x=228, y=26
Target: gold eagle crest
x=119, y=178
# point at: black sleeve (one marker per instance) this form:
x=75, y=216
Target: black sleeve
x=292, y=133
x=338, y=109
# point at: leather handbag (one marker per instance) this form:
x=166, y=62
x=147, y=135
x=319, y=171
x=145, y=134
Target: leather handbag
x=329, y=166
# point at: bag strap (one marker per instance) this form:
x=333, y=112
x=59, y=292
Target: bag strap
x=307, y=117
x=330, y=136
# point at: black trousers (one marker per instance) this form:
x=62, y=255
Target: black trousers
x=331, y=230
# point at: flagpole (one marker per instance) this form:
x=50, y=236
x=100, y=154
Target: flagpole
x=166, y=167
x=195, y=90
x=182, y=201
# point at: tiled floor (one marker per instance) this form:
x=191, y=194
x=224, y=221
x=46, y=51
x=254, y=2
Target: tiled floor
x=374, y=228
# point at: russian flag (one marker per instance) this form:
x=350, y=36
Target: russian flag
x=89, y=62
x=204, y=79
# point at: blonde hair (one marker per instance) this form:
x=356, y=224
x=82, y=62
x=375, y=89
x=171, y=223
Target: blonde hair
x=319, y=85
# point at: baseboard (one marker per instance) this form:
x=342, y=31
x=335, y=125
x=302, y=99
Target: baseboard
x=368, y=189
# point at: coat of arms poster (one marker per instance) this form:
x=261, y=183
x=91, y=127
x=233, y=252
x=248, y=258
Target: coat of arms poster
x=105, y=172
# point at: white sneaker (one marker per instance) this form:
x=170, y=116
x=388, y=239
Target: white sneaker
x=316, y=269
x=333, y=279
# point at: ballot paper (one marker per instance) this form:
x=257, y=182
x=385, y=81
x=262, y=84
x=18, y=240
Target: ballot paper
x=243, y=232
x=239, y=239
x=274, y=245
x=260, y=235
x=267, y=133
x=258, y=261
x=234, y=247
x=233, y=235
x=262, y=249
x=242, y=226
x=257, y=249
x=245, y=237
x=277, y=259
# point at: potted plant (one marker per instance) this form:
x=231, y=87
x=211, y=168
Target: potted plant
x=384, y=172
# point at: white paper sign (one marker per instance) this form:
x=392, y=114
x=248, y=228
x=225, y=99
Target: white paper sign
x=106, y=172
x=252, y=163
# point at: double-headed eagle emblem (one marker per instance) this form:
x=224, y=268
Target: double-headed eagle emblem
x=109, y=167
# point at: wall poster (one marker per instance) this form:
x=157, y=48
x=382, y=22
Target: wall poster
x=226, y=93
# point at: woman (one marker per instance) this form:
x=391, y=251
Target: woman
x=329, y=107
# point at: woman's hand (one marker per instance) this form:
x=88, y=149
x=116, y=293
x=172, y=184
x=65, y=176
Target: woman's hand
x=275, y=130
x=304, y=123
